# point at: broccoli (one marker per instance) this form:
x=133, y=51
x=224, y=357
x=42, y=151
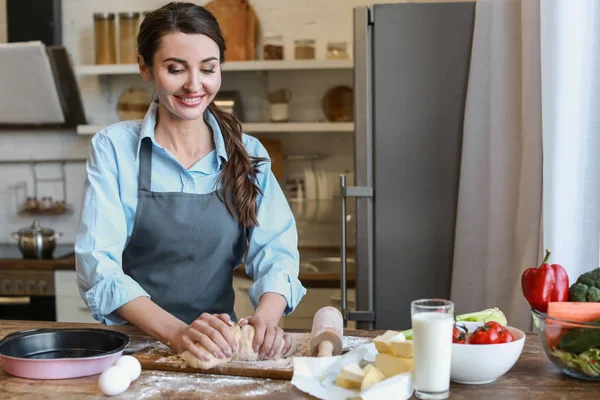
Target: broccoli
x=587, y=287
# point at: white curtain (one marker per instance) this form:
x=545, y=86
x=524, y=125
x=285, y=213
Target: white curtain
x=528, y=180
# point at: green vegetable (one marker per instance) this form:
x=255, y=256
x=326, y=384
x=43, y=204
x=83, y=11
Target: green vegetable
x=579, y=340
x=587, y=287
x=491, y=314
x=586, y=363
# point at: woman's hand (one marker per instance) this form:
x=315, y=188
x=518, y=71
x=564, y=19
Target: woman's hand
x=268, y=336
x=212, y=331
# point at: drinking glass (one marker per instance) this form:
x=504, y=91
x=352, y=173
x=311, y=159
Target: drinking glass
x=432, y=324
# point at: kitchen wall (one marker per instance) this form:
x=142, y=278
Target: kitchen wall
x=322, y=20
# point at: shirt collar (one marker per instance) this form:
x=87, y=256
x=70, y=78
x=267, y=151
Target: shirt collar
x=149, y=123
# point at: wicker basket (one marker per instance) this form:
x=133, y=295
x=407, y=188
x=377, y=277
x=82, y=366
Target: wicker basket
x=239, y=26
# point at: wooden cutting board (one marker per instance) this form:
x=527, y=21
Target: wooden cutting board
x=159, y=357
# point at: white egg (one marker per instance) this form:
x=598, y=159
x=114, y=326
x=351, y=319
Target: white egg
x=114, y=380
x=132, y=365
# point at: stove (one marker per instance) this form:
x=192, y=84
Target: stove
x=27, y=287
x=12, y=252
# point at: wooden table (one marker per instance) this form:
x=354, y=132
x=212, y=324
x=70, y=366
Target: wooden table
x=533, y=377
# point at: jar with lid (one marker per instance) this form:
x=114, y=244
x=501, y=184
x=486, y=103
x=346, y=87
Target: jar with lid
x=273, y=47
x=128, y=27
x=104, y=30
x=337, y=51
x=304, y=49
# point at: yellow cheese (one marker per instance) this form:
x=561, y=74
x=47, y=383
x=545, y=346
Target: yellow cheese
x=346, y=384
x=402, y=349
x=367, y=368
x=353, y=372
x=391, y=365
x=372, y=377
x=383, y=342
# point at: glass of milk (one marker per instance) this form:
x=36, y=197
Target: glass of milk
x=432, y=323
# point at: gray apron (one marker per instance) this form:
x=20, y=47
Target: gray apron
x=183, y=248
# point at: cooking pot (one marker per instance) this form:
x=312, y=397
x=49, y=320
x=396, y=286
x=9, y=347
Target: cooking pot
x=36, y=242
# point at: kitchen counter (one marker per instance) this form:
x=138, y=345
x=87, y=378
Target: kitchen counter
x=533, y=377
x=10, y=258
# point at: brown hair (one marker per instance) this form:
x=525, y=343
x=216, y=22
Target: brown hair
x=240, y=171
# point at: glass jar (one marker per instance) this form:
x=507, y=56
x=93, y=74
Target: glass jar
x=104, y=30
x=273, y=47
x=337, y=51
x=304, y=49
x=128, y=27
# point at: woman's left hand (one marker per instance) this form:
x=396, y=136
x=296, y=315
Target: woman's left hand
x=268, y=336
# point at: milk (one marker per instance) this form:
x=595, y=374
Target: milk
x=432, y=341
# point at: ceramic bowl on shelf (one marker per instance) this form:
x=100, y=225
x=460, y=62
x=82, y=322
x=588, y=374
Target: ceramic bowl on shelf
x=573, y=347
x=477, y=364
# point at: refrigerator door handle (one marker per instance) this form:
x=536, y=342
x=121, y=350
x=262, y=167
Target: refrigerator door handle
x=349, y=191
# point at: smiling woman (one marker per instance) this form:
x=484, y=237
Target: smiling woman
x=174, y=203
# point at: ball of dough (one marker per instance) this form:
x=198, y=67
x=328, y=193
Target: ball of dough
x=244, y=337
x=113, y=381
x=131, y=364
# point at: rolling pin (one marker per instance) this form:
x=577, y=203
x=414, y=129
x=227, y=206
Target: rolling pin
x=327, y=333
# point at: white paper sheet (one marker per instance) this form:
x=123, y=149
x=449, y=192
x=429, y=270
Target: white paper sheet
x=28, y=93
x=316, y=376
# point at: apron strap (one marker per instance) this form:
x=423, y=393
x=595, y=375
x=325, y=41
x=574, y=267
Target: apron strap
x=145, y=173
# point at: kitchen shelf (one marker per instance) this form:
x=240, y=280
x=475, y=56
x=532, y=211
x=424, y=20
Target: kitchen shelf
x=131, y=69
x=263, y=127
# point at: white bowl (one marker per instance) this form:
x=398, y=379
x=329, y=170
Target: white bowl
x=477, y=364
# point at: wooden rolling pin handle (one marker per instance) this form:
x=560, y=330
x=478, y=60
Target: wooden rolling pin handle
x=325, y=349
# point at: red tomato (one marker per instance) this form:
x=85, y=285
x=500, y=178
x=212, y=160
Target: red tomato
x=505, y=337
x=495, y=326
x=484, y=335
x=458, y=336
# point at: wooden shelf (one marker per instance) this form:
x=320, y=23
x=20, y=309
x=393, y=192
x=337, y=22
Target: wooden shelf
x=263, y=127
x=131, y=69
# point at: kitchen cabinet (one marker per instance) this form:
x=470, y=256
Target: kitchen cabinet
x=316, y=298
x=69, y=304
x=302, y=317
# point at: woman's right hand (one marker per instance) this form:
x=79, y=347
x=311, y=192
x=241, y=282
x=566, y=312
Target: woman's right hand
x=212, y=331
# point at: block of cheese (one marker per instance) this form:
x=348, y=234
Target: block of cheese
x=383, y=342
x=353, y=372
x=391, y=365
x=351, y=377
x=372, y=376
x=367, y=368
x=402, y=349
x=345, y=383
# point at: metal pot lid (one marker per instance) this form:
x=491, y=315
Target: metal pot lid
x=37, y=228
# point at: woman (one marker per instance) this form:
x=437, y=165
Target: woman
x=173, y=204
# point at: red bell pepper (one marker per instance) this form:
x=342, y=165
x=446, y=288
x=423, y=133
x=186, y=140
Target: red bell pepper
x=546, y=283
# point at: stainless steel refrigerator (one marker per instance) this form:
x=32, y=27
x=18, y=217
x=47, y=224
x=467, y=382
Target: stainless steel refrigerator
x=411, y=67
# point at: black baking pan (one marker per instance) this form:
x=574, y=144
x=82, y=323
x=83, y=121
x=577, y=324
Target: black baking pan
x=61, y=353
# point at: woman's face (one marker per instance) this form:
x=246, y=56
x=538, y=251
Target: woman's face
x=186, y=74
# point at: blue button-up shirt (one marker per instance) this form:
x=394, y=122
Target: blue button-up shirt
x=110, y=202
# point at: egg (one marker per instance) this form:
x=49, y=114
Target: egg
x=114, y=380
x=131, y=364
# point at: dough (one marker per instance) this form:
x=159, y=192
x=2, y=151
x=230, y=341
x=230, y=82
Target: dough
x=244, y=337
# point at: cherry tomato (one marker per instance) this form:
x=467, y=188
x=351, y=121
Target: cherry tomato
x=459, y=336
x=505, y=337
x=484, y=335
x=495, y=326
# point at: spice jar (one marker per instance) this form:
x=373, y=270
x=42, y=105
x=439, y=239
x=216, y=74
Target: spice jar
x=104, y=29
x=128, y=26
x=273, y=47
x=337, y=51
x=304, y=49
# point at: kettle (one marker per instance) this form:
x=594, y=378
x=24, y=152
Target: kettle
x=36, y=242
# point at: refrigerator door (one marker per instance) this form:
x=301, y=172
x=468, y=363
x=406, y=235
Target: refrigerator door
x=418, y=67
